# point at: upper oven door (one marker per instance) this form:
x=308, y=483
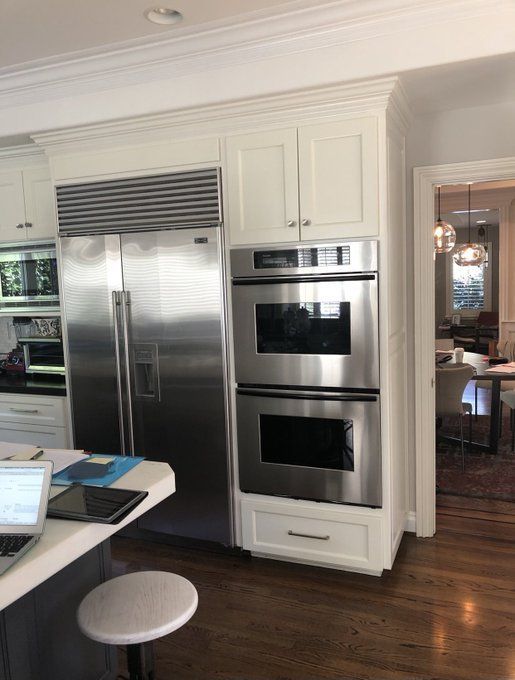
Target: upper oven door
x=307, y=331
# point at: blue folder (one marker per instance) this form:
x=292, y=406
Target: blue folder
x=119, y=466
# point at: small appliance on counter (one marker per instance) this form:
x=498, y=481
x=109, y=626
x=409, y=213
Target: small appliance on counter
x=14, y=362
x=41, y=343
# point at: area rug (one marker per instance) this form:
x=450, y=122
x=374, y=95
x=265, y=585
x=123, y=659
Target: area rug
x=486, y=475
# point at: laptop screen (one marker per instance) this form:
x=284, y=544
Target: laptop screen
x=20, y=495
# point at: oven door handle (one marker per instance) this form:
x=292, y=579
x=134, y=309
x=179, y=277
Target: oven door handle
x=301, y=394
x=303, y=278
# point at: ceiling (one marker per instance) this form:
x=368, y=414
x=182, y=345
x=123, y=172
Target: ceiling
x=35, y=33
x=32, y=30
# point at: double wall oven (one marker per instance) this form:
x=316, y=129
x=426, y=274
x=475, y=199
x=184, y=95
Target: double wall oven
x=307, y=368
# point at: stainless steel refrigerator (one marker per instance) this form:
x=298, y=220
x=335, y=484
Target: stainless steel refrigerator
x=144, y=314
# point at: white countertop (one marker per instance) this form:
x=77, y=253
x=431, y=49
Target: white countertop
x=64, y=540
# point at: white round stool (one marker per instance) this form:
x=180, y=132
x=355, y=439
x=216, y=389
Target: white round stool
x=135, y=609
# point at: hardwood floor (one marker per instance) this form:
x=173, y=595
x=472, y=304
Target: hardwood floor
x=445, y=611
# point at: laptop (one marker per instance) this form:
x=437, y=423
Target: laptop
x=24, y=491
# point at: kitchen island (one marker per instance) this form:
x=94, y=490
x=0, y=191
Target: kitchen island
x=39, y=595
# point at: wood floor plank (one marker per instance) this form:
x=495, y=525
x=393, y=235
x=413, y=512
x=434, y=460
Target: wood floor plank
x=445, y=612
x=497, y=510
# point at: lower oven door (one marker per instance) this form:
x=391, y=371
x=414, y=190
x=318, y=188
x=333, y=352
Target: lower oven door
x=311, y=445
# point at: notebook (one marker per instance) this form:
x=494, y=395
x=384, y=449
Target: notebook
x=24, y=491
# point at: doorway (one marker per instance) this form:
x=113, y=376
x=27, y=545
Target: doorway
x=425, y=181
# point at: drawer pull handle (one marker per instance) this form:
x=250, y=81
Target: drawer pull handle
x=320, y=538
x=24, y=410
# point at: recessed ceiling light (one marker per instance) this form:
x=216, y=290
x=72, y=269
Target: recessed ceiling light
x=480, y=221
x=163, y=15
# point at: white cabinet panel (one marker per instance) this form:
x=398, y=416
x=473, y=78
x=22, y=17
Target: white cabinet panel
x=338, y=179
x=262, y=187
x=39, y=435
x=39, y=204
x=12, y=206
x=27, y=197
x=33, y=409
x=328, y=535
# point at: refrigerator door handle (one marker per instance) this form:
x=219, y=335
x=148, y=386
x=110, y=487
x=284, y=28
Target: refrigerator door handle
x=116, y=301
x=126, y=301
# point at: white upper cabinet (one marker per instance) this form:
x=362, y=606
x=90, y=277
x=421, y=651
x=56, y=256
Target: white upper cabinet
x=27, y=209
x=39, y=204
x=262, y=187
x=12, y=207
x=321, y=185
x=338, y=180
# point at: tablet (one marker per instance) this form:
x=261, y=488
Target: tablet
x=94, y=503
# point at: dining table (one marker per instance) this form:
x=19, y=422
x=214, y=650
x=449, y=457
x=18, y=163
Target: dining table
x=480, y=364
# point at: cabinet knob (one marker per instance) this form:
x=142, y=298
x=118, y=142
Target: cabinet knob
x=292, y=223
x=306, y=223
x=19, y=226
x=28, y=225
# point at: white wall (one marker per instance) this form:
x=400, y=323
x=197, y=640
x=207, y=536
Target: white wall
x=460, y=135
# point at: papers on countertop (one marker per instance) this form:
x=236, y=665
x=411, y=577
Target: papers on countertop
x=19, y=451
x=502, y=368
x=61, y=458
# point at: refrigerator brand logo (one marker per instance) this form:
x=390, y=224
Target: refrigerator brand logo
x=201, y=239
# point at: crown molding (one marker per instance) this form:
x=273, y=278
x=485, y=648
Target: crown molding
x=291, y=108
x=22, y=152
x=219, y=45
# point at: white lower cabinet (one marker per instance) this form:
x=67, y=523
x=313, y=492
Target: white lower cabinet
x=341, y=537
x=33, y=419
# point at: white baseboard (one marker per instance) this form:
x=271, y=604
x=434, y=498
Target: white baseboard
x=411, y=522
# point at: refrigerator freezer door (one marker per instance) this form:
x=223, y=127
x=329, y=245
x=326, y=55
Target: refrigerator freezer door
x=92, y=272
x=173, y=298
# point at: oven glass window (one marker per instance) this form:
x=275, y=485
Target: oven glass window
x=23, y=278
x=46, y=354
x=307, y=442
x=303, y=328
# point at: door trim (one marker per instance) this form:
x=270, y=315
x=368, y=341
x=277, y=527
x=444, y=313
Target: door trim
x=424, y=180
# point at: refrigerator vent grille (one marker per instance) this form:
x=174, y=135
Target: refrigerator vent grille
x=178, y=199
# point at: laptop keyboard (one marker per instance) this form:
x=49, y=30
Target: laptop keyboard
x=10, y=545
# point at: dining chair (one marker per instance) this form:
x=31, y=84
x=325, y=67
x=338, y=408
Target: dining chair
x=450, y=385
x=505, y=349
x=444, y=344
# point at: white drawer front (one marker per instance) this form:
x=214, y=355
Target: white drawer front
x=45, y=437
x=315, y=535
x=31, y=408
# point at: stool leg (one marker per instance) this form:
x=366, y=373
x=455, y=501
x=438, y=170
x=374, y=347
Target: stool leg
x=140, y=661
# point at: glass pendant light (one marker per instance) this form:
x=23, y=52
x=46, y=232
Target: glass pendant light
x=443, y=234
x=469, y=254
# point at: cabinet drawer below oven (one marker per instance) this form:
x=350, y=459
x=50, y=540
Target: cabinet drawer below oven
x=337, y=536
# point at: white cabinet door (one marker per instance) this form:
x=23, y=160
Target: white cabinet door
x=12, y=207
x=262, y=187
x=338, y=179
x=39, y=204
